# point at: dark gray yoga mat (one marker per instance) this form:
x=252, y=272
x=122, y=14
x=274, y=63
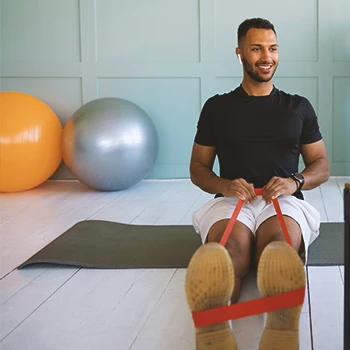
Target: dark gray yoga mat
x=104, y=244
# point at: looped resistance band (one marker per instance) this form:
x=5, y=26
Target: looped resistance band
x=258, y=192
x=252, y=307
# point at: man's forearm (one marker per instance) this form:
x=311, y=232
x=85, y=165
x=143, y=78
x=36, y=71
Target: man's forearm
x=206, y=179
x=316, y=173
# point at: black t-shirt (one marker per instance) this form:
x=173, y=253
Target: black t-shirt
x=257, y=137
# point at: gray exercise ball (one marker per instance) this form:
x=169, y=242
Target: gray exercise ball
x=110, y=144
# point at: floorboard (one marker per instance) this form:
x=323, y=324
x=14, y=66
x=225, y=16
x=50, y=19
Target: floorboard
x=326, y=304
x=314, y=197
x=23, y=303
x=332, y=199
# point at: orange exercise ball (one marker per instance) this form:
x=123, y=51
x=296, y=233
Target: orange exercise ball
x=30, y=142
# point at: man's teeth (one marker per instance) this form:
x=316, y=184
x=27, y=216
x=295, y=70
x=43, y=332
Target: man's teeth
x=265, y=67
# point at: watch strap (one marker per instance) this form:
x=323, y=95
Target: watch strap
x=299, y=179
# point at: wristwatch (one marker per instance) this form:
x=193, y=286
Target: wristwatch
x=299, y=179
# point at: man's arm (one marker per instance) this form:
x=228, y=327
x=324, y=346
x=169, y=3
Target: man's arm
x=315, y=173
x=316, y=163
x=202, y=175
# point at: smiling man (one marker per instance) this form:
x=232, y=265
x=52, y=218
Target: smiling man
x=258, y=133
x=262, y=49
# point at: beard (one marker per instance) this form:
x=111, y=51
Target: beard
x=254, y=74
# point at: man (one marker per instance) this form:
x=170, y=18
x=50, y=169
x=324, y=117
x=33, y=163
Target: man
x=258, y=133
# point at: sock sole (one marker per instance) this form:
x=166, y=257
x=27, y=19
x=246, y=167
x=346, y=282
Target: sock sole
x=209, y=284
x=280, y=270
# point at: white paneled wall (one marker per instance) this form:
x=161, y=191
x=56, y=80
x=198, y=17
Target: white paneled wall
x=169, y=56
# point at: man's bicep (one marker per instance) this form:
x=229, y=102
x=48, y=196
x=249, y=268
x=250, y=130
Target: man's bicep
x=313, y=151
x=204, y=155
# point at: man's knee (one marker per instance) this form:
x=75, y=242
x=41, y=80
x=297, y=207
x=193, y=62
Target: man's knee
x=271, y=230
x=239, y=244
x=240, y=238
x=217, y=230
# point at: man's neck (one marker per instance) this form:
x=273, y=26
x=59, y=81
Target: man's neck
x=254, y=88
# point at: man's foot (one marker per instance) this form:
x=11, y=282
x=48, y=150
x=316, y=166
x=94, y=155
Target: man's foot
x=209, y=284
x=280, y=270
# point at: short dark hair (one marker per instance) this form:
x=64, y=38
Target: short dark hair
x=258, y=23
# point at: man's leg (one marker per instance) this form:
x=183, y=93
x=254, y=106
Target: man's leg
x=209, y=284
x=280, y=270
x=214, y=277
x=239, y=245
x=210, y=278
x=270, y=231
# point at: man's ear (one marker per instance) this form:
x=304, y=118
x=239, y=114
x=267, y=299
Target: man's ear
x=238, y=53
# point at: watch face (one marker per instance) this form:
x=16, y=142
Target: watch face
x=299, y=177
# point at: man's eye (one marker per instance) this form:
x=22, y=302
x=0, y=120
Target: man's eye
x=256, y=49
x=273, y=49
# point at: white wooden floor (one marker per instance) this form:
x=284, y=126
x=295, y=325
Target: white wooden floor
x=58, y=308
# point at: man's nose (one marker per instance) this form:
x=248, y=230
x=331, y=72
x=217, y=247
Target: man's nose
x=266, y=54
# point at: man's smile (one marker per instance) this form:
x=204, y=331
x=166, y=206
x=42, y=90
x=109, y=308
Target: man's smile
x=265, y=68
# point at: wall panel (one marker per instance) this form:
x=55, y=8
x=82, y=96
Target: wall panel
x=290, y=22
x=147, y=31
x=227, y=84
x=40, y=30
x=340, y=26
x=63, y=95
x=160, y=99
x=341, y=120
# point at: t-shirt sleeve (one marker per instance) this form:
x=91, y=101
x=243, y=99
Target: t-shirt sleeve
x=311, y=130
x=205, y=134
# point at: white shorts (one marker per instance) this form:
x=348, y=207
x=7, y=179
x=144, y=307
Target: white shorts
x=256, y=212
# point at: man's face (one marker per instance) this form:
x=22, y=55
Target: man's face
x=259, y=54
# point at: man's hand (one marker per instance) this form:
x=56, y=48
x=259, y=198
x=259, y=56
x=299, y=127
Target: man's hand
x=239, y=188
x=278, y=186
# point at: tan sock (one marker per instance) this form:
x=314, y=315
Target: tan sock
x=280, y=270
x=209, y=284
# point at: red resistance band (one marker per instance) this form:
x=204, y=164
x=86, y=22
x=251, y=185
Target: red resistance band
x=252, y=307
